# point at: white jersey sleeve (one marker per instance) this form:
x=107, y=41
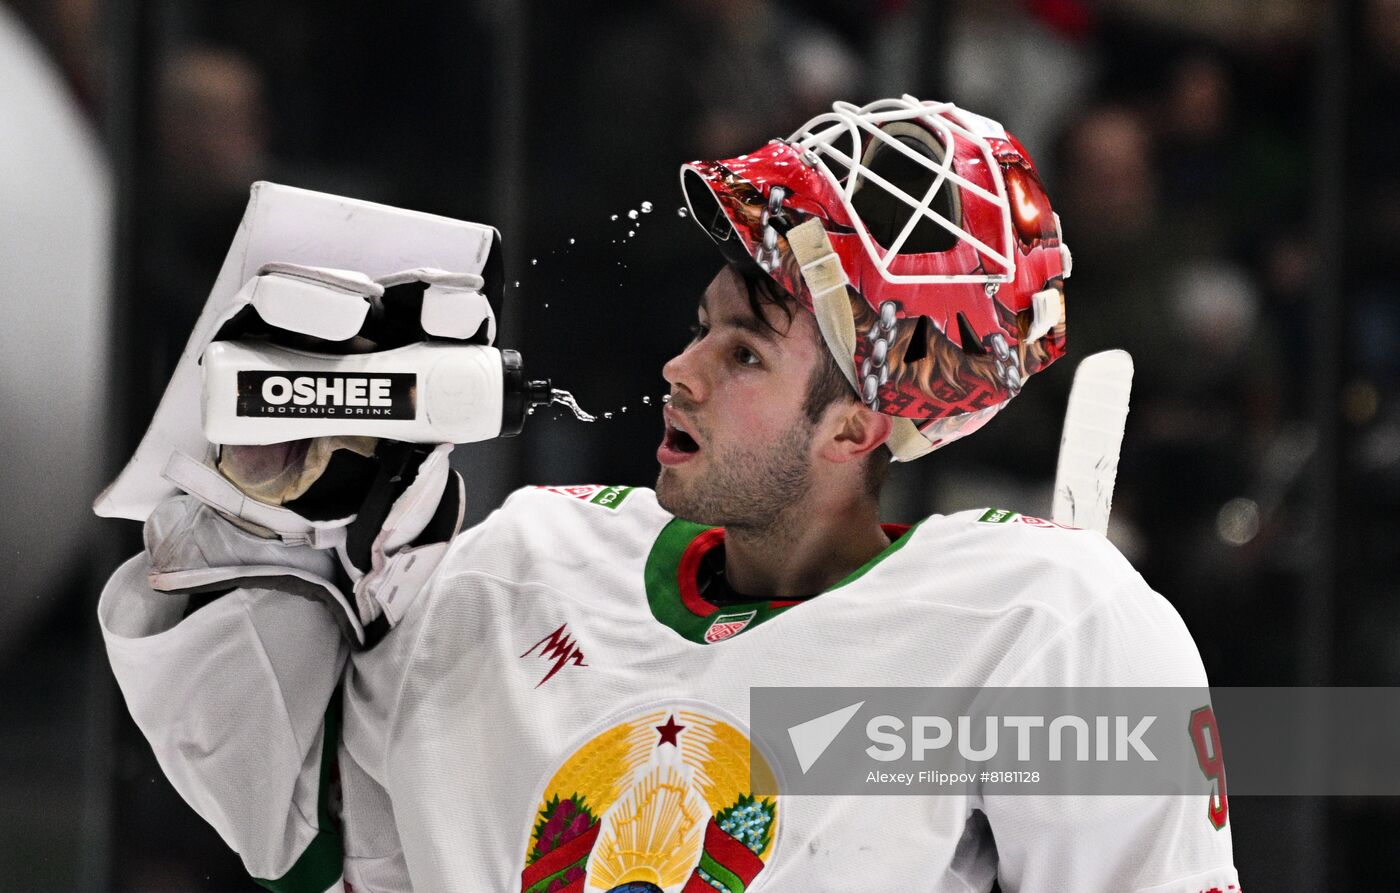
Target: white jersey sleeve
x=1116, y=632
x=260, y=715
x=234, y=701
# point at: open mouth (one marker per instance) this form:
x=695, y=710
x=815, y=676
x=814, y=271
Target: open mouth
x=680, y=441
x=678, y=445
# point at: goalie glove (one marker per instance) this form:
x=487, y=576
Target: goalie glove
x=194, y=549
x=367, y=570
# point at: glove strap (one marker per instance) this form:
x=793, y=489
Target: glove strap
x=401, y=531
x=218, y=492
x=398, y=467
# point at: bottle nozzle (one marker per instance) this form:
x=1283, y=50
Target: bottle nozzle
x=539, y=393
x=519, y=394
x=523, y=396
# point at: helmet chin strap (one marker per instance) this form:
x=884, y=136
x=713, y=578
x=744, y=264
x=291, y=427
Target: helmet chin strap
x=831, y=304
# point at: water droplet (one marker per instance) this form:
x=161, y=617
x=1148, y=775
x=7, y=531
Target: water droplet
x=607, y=415
x=681, y=212
x=631, y=233
x=517, y=283
x=646, y=207
x=646, y=401
x=546, y=306
x=564, y=398
x=613, y=217
x=632, y=214
x=530, y=411
x=571, y=241
x=665, y=398
x=624, y=409
x=534, y=260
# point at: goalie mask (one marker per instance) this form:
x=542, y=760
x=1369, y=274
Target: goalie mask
x=920, y=237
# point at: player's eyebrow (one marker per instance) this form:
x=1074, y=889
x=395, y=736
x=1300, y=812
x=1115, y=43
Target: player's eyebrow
x=746, y=323
x=750, y=325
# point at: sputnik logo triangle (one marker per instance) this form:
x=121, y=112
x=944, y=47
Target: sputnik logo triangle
x=810, y=739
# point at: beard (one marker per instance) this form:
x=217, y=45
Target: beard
x=742, y=487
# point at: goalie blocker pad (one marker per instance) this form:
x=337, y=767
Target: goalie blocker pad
x=283, y=225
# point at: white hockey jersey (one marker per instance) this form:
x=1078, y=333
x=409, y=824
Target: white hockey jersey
x=561, y=710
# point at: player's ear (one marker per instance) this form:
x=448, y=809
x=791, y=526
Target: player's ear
x=856, y=431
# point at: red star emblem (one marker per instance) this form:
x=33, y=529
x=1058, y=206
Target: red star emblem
x=669, y=731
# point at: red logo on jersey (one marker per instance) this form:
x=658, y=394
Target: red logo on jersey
x=582, y=491
x=1041, y=522
x=727, y=625
x=558, y=647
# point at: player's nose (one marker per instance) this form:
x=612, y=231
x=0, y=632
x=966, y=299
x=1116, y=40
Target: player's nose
x=682, y=372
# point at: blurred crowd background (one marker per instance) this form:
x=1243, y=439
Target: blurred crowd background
x=1228, y=178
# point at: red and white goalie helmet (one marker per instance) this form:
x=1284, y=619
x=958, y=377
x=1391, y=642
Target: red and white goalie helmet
x=920, y=236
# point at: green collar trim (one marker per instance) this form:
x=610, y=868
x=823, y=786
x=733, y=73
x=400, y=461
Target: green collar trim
x=674, y=596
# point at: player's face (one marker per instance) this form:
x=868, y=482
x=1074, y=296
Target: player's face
x=738, y=448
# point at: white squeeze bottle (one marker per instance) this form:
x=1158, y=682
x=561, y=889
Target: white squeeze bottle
x=429, y=392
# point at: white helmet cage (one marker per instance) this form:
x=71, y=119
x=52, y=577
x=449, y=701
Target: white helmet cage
x=821, y=141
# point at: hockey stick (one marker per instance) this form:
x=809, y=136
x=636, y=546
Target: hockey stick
x=1092, y=436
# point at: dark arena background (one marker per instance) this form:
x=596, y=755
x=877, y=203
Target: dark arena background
x=1227, y=175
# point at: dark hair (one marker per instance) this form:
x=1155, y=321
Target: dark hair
x=828, y=383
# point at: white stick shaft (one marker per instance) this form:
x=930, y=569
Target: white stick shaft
x=1092, y=437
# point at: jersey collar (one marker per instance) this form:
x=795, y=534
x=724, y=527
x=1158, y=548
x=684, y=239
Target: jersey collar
x=673, y=592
